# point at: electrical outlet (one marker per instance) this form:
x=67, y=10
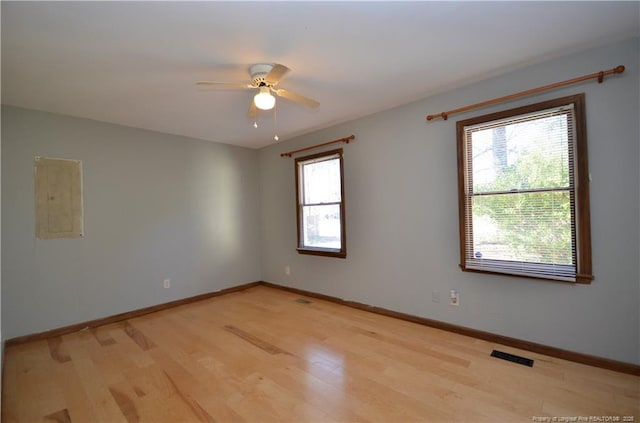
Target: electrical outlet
x=435, y=296
x=287, y=270
x=455, y=298
x=167, y=283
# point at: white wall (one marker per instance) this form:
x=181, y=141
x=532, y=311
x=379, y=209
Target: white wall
x=156, y=206
x=210, y=216
x=1, y=337
x=402, y=219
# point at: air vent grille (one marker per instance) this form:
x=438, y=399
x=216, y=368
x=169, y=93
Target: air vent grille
x=512, y=357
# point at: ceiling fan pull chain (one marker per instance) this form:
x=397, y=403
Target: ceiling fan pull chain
x=275, y=123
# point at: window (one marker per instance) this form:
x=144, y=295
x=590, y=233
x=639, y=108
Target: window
x=320, y=204
x=523, y=192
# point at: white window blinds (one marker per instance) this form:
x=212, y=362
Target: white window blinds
x=519, y=194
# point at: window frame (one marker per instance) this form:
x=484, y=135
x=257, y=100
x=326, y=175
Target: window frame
x=301, y=248
x=579, y=193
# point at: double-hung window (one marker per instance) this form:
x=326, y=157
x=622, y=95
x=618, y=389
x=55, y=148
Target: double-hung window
x=523, y=192
x=320, y=204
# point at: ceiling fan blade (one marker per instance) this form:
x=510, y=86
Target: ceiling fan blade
x=229, y=85
x=276, y=74
x=296, y=97
x=253, y=110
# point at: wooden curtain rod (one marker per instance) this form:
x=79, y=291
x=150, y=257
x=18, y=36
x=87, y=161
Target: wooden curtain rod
x=346, y=140
x=600, y=75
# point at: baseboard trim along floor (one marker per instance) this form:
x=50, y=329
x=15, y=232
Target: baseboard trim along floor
x=604, y=363
x=123, y=316
x=577, y=357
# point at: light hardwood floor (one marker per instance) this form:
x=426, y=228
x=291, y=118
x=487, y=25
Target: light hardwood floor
x=266, y=355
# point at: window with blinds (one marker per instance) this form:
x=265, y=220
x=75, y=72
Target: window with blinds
x=320, y=204
x=523, y=192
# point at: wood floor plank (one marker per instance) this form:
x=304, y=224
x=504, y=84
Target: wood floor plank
x=55, y=350
x=253, y=340
x=127, y=350
x=61, y=416
x=201, y=393
x=100, y=399
x=138, y=337
x=75, y=396
x=263, y=355
x=126, y=404
x=200, y=413
x=103, y=337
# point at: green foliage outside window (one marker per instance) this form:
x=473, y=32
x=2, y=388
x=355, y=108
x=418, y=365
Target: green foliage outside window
x=526, y=192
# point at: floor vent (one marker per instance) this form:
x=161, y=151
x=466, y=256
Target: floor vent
x=512, y=357
x=303, y=301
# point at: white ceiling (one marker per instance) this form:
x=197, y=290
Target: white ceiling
x=135, y=63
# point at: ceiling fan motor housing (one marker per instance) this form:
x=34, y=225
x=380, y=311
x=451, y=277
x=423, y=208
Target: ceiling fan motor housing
x=258, y=73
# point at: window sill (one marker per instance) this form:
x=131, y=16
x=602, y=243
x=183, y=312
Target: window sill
x=581, y=279
x=322, y=252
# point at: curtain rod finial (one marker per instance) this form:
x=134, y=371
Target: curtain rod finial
x=619, y=69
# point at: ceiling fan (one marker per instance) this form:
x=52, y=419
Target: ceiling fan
x=265, y=78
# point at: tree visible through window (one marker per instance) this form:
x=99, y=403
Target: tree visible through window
x=523, y=192
x=320, y=204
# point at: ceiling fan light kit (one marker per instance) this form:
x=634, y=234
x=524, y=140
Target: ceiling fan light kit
x=264, y=100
